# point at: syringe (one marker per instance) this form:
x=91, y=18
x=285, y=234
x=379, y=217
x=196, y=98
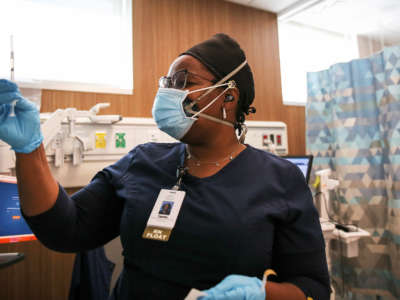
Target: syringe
x=12, y=111
x=12, y=56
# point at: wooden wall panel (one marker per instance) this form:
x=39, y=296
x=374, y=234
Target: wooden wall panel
x=162, y=29
x=165, y=28
x=43, y=274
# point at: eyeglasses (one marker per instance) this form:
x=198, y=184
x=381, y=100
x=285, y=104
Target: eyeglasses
x=178, y=80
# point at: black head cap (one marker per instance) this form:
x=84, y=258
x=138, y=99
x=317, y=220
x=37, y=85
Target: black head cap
x=221, y=55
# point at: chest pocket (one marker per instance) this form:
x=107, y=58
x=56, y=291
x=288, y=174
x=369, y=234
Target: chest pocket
x=140, y=196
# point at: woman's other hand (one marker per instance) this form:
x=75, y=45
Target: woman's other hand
x=237, y=287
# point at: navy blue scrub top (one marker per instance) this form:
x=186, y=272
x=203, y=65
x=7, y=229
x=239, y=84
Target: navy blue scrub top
x=255, y=213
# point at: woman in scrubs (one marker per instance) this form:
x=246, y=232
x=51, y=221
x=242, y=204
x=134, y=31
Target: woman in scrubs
x=234, y=211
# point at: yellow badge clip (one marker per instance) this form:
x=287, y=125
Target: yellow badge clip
x=267, y=273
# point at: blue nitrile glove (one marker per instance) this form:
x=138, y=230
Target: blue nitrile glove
x=22, y=130
x=236, y=287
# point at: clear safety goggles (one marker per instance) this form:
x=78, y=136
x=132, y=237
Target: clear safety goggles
x=179, y=79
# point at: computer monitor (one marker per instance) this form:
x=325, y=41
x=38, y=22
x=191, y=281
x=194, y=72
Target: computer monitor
x=304, y=163
x=13, y=227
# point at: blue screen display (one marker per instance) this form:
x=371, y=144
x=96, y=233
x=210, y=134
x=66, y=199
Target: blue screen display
x=11, y=221
x=301, y=162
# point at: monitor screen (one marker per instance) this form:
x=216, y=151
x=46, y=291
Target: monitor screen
x=304, y=163
x=13, y=227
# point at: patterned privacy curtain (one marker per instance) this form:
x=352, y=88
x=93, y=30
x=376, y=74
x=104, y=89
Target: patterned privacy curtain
x=353, y=128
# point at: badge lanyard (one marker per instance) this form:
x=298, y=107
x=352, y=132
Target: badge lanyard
x=165, y=211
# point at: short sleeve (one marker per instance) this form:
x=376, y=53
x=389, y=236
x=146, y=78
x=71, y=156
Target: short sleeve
x=299, y=247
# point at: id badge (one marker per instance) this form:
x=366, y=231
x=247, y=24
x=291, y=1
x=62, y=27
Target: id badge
x=164, y=214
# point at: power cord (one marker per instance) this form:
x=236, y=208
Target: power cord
x=339, y=226
x=331, y=219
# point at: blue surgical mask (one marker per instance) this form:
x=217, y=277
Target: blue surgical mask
x=174, y=118
x=169, y=114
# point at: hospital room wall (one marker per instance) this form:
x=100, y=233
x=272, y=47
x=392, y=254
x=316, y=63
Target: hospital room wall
x=163, y=29
x=368, y=45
